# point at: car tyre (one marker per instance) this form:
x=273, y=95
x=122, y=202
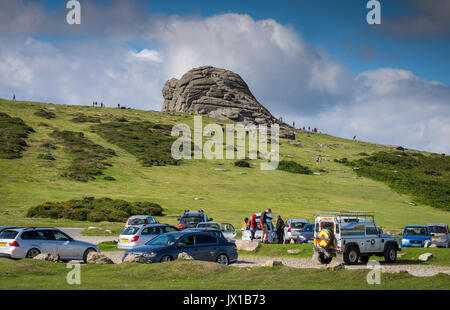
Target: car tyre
x=323, y=259
x=223, y=259
x=166, y=258
x=32, y=253
x=365, y=259
x=86, y=253
x=351, y=256
x=390, y=254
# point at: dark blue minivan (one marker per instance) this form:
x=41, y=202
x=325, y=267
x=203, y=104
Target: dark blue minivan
x=200, y=245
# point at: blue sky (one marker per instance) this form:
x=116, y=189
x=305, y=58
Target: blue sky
x=315, y=62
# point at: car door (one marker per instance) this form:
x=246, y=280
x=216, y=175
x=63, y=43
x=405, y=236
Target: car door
x=188, y=247
x=46, y=241
x=148, y=234
x=372, y=242
x=207, y=246
x=67, y=248
x=228, y=230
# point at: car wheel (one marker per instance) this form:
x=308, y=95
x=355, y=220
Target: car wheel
x=351, y=256
x=166, y=258
x=32, y=253
x=364, y=259
x=390, y=254
x=222, y=259
x=323, y=259
x=86, y=253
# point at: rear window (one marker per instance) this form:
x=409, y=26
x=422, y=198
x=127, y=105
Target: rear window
x=298, y=225
x=191, y=220
x=137, y=222
x=130, y=231
x=438, y=229
x=8, y=234
x=209, y=225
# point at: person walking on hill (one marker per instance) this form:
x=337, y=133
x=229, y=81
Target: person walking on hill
x=280, y=230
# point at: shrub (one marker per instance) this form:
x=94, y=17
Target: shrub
x=108, y=178
x=293, y=167
x=94, y=210
x=45, y=114
x=86, y=119
x=47, y=156
x=150, y=143
x=89, y=159
x=242, y=163
x=13, y=131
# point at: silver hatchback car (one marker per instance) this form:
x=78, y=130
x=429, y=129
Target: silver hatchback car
x=29, y=242
x=134, y=236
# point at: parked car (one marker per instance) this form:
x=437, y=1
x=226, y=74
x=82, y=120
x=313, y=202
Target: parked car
x=2, y=228
x=351, y=237
x=29, y=242
x=306, y=235
x=134, y=236
x=440, y=234
x=190, y=219
x=140, y=220
x=246, y=235
x=415, y=236
x=227, y=229
x=199, y=245
x=218, y=233
x=292, y=228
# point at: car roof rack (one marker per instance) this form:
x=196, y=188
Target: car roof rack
x=351, y=214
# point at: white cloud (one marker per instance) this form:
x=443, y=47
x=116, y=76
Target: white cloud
x=286, y=74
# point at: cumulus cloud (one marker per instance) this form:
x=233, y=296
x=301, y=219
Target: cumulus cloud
x=287, y=75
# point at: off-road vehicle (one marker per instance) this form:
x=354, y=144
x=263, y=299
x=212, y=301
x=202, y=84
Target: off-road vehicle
x=190, y=219
x=350, y=237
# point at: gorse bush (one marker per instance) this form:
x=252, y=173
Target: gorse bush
x=13, y=131
x=242, y=163
x=45, y=114
x=89, y=159
x=426, y=178
x=150, y=143
x=293, y=167
x=94, y=210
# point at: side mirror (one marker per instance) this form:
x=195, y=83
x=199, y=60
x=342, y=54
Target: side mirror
x=210, y=219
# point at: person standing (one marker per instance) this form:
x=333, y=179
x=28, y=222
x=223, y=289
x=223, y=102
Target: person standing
x=252, y=225
x=245, y=224
x=264, y=226
x=280, y=230
x=14, y=97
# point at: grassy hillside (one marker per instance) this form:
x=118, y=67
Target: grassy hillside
x=230, y=193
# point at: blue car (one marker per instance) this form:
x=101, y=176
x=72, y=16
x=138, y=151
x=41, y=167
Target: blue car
x=200, y=245
x=415, y=236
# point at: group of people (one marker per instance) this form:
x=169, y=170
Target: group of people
x=252, y=224
x=95, y=104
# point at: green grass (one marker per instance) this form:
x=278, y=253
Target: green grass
x=179, y=275
x=230, y=195
x=107, y=246
x=426, y=178
x=406, y=255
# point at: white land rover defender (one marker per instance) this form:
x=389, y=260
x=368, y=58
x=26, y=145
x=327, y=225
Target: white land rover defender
x=351, y=236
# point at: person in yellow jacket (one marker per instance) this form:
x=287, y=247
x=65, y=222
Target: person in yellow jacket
x=245, y=224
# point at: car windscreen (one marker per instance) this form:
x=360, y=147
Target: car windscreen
x=166, y=239
x=137, y=222
x=437, y=229
x=308, y=228
x=130, y=231
x=191, y=219
x=298, y=225
x=209, y=225
x=8, y=234
x=415, y=231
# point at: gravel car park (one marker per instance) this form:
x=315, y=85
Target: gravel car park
x=29, y=242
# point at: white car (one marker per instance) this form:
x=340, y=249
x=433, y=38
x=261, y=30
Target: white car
x=293, y=228
x=228, y=230
x=246, y=235
x=134, y=236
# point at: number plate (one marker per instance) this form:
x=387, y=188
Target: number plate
x=435, y=237
x=124, y=240
x=3, y=244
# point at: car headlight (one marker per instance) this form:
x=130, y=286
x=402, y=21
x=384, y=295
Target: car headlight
x=405, y=240
x=149, y=254
x=301, y=237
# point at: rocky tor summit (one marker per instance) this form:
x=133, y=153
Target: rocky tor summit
x=219, y=93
